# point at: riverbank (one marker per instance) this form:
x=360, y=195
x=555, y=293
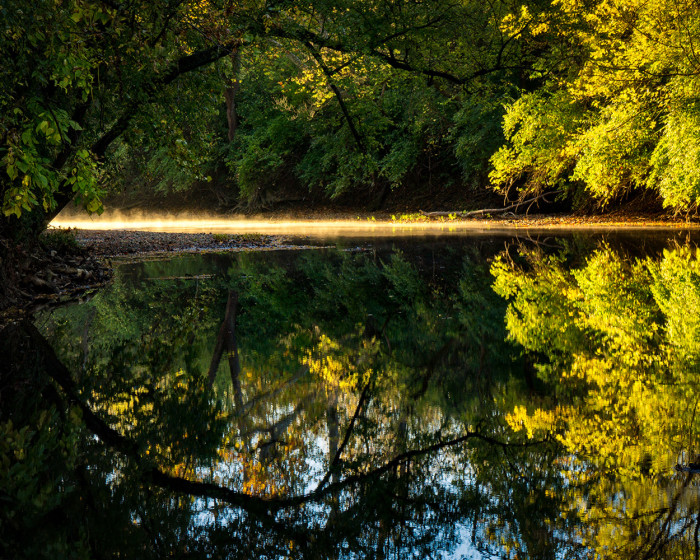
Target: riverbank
x=47, y=273
x=119, y=242
x=72, y=264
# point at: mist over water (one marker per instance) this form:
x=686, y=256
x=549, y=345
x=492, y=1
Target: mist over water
x=196, y=223
x=291, y=225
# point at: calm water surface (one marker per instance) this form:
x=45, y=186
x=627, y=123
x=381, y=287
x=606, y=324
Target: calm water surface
x=462, y=397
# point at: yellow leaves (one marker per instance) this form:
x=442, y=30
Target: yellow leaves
x=257, y=482
x=627, y=39
x=509, y=22
x=539, y=28
x=537, y=424
x=633, y=363
x=637, y=74
x=677, y=292
x=128, y=406
x=514, y=24
x=340, y=366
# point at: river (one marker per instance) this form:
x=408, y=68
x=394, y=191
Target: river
x=469, y=394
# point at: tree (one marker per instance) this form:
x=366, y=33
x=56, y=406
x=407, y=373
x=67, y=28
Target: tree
x=615, y=110
x=78, y=74
x=87, y=79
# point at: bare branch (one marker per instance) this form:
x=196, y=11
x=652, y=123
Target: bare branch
x=472, y=213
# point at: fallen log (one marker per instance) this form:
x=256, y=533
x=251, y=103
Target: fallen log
x=474, y=213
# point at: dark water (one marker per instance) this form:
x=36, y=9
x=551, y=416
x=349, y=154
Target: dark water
x=466, y=397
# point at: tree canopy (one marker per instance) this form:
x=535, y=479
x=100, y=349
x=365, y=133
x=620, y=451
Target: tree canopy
x=593, y=97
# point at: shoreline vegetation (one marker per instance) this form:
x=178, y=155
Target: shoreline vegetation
x=383, y=110
x=418, y=105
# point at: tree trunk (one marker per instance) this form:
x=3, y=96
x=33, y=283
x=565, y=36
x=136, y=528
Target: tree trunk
x=231, y=93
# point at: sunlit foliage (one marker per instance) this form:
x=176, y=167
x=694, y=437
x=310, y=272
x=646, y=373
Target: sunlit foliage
x=618, y=111
x=619, y=340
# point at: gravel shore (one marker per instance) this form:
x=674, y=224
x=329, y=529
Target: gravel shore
x=126, y=242
x=56, y=272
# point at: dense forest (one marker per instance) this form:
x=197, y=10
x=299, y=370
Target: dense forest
x=258, y=101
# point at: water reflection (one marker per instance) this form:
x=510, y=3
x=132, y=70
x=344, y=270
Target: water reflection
x=473, y=399
x=619, y=338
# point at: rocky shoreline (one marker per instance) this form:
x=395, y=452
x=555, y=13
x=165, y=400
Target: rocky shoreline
x=115, y=243
x=69, y=265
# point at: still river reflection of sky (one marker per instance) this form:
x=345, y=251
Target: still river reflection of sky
x=366, y=362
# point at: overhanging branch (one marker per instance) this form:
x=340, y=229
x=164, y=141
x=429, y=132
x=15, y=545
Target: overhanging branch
x=181, y=66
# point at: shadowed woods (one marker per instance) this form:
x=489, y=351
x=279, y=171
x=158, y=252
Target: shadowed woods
x=426, y=104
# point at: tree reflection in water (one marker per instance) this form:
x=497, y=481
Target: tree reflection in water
x=620, y=340
x=365, y=404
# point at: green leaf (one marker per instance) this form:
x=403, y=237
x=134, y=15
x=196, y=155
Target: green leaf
x=94, y=205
